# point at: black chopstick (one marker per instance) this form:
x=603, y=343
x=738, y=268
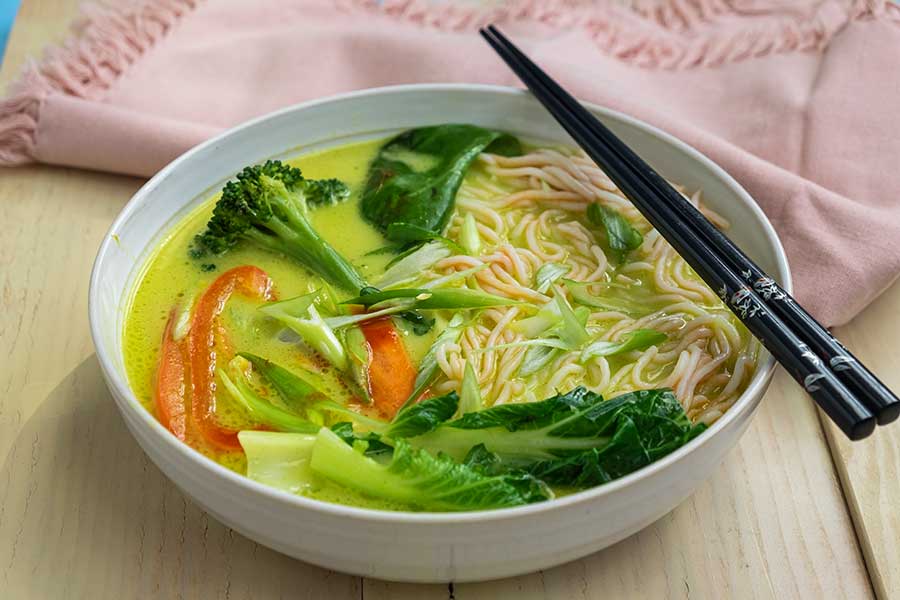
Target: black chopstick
x=785, y=345
x=862, y=382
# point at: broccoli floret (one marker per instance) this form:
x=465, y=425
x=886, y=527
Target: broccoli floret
x=267, y=205
x=325, y=192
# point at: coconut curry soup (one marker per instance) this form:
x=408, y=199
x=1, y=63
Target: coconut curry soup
x=445, y=320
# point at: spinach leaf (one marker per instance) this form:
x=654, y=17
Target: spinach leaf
x=412, y=183
x=620, y=235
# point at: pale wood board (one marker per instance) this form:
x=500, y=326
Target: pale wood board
x=870, y=470
x=83, y=513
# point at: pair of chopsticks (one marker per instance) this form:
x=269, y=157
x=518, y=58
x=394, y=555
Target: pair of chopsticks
x=842, y=386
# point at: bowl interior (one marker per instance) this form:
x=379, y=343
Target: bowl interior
x=190, y=179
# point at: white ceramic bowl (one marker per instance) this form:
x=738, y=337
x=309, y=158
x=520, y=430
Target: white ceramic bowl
x=425, y=547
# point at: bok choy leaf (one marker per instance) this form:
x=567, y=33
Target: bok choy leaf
x=566, y=425
x=280, y=460
x=417, y=478
x=422, y=417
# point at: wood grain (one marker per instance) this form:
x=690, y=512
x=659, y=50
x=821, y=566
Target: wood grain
x=83, y=513
x=870, y=469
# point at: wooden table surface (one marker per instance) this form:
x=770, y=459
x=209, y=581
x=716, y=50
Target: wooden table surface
x=795, y=511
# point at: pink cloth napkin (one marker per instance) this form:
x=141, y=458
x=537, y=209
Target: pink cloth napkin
x=797, y=99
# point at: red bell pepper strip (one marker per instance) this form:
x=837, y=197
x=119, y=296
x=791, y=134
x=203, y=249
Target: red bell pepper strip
x=170, y=386
x=246, y=280
x=391, y=375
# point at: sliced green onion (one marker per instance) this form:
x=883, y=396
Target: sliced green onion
x=469, y=237
x=548, y=274
x=262, y=410
x=639, y=339
x=469, y=393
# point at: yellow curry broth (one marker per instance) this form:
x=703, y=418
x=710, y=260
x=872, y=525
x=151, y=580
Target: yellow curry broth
x=172, y=279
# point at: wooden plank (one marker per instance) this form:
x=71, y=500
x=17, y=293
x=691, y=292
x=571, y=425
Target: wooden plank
x=84, y=514
x=870, y=469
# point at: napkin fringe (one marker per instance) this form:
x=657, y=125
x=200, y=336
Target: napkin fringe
x=105, y=41
x=622, y=30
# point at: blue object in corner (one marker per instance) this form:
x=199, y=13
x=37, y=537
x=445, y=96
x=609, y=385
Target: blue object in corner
x=8, y=10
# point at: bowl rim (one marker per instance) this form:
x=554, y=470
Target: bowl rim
x=126, y=399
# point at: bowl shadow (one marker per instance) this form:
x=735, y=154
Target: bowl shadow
x=84, y=513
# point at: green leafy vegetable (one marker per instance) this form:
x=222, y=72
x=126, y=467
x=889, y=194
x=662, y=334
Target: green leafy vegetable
x=563, y=425
x=554, y=328
x=267, y=206
x=416, y=477
x=419, y=323
x=483, y=461
x=412, y=183
x=526, y=431
x=300, y=315
x=370, y=443
x=422, y=417
x=651, y=425
x=639, y=339
x=620, y=235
